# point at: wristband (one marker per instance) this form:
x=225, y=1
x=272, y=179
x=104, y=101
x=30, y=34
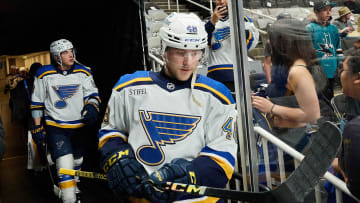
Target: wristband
x=271, y=110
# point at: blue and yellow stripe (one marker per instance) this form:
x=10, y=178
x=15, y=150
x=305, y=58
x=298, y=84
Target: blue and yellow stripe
x=63, y=124
x=224, y=159
x=221, y=67
x=105, y=135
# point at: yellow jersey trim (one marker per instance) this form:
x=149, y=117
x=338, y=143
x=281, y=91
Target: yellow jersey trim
x=227, y=68
x=46, y=73
x=132, y=81
x=215, y=91
x=106, y=138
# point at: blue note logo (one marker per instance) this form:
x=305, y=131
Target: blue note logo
x=220, y=35
x=163, y=129
x=64, y=92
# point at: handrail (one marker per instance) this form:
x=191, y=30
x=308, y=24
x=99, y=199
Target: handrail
x=199, y=5
x=159, y=61
x=297, y=155
x=210, y=10
x=260, y=14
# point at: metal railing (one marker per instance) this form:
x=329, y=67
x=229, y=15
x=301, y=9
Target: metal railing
x=282, y=147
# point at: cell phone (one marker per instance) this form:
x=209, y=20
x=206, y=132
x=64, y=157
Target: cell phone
x=226, y=15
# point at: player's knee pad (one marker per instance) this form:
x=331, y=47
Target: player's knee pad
x=66, y=161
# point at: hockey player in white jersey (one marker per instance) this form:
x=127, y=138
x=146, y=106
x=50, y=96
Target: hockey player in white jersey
x=174, y=125
x=220, y=63
x=66, y=98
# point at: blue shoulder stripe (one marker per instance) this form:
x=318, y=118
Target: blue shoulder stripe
x=137, y=78
x=81, y=69
x=45, y=70
x=219, y=90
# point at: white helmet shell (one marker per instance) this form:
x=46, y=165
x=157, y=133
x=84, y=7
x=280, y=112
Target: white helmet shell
x=59, y=46
x=183, y=31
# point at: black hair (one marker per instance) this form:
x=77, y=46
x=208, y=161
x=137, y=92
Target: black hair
x=290, y=41
x=354, y=59
x=33, y=68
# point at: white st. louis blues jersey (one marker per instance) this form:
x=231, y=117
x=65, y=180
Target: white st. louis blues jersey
x=220, y=66
x=63, y=96
x=162, y=122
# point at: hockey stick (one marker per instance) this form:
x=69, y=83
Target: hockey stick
x=322, y=151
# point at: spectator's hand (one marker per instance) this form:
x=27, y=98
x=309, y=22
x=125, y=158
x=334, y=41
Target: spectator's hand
x=347, y=29
x=124, y=172
x=218, y=13
x=262, y=104
x=90, y=113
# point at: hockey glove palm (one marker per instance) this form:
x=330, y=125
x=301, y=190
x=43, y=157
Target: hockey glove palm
x=179, y=171
x=124, y=172
x=90, y=113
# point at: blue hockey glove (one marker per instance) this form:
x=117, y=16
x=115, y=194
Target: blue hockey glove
x=179, y=171
x=124, y=172
x=90, y=113
x=38, y=134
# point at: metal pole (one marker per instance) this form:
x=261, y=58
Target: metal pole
x=169, y=4
x=177, y=6
x=211, y=7
x=242, y=88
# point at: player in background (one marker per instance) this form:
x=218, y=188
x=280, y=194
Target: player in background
x=174, y=125
x=220, y=62
x=66, y=99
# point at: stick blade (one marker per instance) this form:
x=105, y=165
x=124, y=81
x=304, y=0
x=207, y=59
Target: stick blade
x=323, y=149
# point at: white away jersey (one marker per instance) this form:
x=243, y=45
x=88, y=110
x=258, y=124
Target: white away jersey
x=63, y=96
x=220, y=65
x=162, y=122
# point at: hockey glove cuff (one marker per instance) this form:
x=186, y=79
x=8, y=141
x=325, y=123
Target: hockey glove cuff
x=124, y=172
x=38, y=134
x=90, y=113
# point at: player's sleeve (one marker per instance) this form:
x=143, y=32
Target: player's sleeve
x=252, y=34
x=209, y=27
x=218, y=157
x=113, y=132
x=38, y=98
x=91, y=94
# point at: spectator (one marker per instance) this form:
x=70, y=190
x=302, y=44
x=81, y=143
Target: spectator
x=220, y=66
x=326, y=41
x=343, y=23
x=353, y=6
x=12, y=79
x=292, y=50
x=349, y=157
x=267, y=50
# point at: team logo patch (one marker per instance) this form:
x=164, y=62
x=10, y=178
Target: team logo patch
x=64, y=92
x=170, y=86
x=220, y=35
x=163, y=129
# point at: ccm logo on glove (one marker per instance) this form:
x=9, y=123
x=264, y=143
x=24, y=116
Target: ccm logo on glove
x=114, y=158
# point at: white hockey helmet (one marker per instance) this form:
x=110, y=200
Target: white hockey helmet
x=59, y=46
x=183, y=31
